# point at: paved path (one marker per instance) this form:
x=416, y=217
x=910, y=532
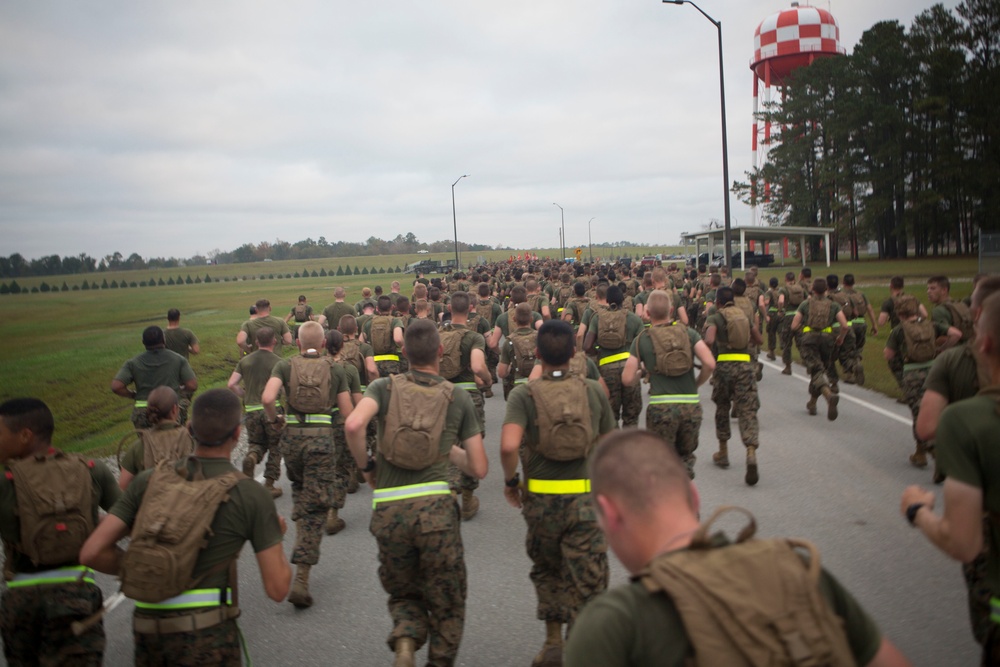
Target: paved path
x=837, y=484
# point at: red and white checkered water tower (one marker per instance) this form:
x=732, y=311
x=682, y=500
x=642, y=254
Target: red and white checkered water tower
x=783, y=43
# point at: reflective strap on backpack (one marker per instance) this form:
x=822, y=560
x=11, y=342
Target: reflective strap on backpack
x=858, y=320
x=386, y=357
x=733, y=357
x=325, y=420
x=256, y=407
x=61, y=575
x=521, y=381
x=995, y=610
x=559, y=486
x=141, y=404
x=468, y=386
x=610, y=359
x=409, y=491
x=661, y=399
x=192, y=599
x=823, y=330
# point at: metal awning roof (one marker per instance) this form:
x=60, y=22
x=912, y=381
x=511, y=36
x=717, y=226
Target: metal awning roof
x=740, y=235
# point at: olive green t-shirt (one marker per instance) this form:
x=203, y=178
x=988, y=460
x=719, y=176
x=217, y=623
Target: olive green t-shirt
x=627, y=626
x=335, y=311
x=248, y=515
x=633, y=326
x=154, y=368
x=718, y=321
x=941, y=314
x=134, y=458
x=504, y=321
x=104, y=494
x=255, y=369
x=659, y=384
x=954, y=374
x=251, y=327
x=338, y=380
x=522, y=410
x=966, y=451
x=179, y=340
x=461, y=423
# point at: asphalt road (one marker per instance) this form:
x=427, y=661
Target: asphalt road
x=837, y=484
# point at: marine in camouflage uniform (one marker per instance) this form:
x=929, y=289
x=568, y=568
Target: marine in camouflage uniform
x=626, y=402
x=156, y=367
x=773, y=321
x=823, y=327
x=786, y=313
x=37, y=609
x=734, y=386
x=847, y=351
x=415, y=520
x=387, y=360
x=310, y=458
x=566, y=546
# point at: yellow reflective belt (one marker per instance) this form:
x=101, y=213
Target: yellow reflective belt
x=386, y=357
x=193, y=599
x=824, y=330
x=995, y=610
x=311, y=419
x=363, y=387
x=621, y=356
x=659, y=399
x=733, y=357
x=468, y=386
x=410, y=491
x=256, y=408
x=559, y=486
x=141, y=404
x=62, y=575
x=521, y=381
x=858, y=320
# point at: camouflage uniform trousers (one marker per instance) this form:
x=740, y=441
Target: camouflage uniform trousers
x=458, y=480
x=492, y=360
x=679, y=424
x=786, y=335
x=508, y=383
x=139, y=419
x=35, y=625
x=734, y=384
x=217, y=645
x=896, y=368
x=979, y=593
x=387, y=368
x=913, y=392
x=422, y=568
x=568, y=552
x=772, y=330
x=310, y=464
x=342, y=471
x=846, y=353
x=184, y=402
x=626, y=402
x=264, y=438
x=817, y=354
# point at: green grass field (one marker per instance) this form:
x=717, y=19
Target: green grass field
x=65, y=347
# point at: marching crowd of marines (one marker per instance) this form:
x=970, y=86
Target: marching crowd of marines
x=390, y=391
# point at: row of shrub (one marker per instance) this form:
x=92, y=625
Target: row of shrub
x=15, y=288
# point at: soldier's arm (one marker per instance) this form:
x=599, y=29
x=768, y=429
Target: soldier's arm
x=270, y=398
x=371, y=368
x=958, y=531
x=888, y=353
x=101, y=551
x=922, y=311
x=344, y=403
x=194, y=348
x=704, y=354
x=510, y=442
x=931, y=406
x=477, y=361
x=471, y=457
x=191, y=385
x=234, y=384
x=241, y=341
x=275, y=572
x=288, y=317
x=640, y=310
x=876, y=322
x=888, y=656
x=354, y=429
x=954, y=335
x=709, y=337
x=589, y=341
x=755, y=337
x=842, y=320
x=121, y=389
x=682, y=315
x=397, y=336
x=286, y=338
x=494, y=338
x=796, y=321
x=630, y=374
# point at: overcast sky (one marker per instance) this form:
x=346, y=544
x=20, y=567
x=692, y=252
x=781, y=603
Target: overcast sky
x=174, y=128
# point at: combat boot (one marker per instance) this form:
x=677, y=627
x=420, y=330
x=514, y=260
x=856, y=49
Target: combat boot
x=721, y=457
x=300, y=588
x=751, y=476
x=811, y=405
x=760, y=371
x=787, y=370
x=405, y=648
x=770, y=354
x=352, y=484
x=334, y=524
x=919, y=457
x=552, y=651
x=831, y=403
x=859, y=375
x=275, y=490
x=249, y=463
x=470, y=505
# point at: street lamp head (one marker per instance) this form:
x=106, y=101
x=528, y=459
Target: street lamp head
x=674, y=2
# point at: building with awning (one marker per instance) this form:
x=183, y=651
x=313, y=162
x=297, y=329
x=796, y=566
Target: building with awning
x=781, y=239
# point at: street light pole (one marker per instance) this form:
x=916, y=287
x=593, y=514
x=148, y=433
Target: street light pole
x=562, y=236
x=726, y=235
x=454, y=218
x=590, y=241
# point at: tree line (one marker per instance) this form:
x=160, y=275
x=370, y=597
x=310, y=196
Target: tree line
x=897, y=142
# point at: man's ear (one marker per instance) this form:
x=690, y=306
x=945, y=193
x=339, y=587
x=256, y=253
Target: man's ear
x=608, y=513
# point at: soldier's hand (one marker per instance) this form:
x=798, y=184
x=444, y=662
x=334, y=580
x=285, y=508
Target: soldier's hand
x=370, y=479
x=283, y=524
x=914, y=494
x=874, y=330
x=514, y=496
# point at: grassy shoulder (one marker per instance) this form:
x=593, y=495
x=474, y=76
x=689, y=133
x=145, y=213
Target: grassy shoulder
x=65, y=347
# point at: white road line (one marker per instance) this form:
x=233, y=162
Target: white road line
x=859, y=401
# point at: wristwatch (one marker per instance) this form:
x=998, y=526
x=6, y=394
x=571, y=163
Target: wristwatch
x=514, y=481
x=370, y=465
x=911, y=513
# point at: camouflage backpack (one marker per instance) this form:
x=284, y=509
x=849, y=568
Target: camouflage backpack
x=672, y=348
x=737, y=327
x=921, y=346
x=565, y=294
x=523, y=352
x=485, y=309
x=164, y=445
x=451, y=340
x=54, y=506
x=961, y=318
x=819, y=314
x=301, y=313
x=351, y=355
x=563, y=417
x=796, y=295
x=845, y=303
x=381, y=334
x=309, y=386
x=858, y=304
x=611, y=329
x=414, y=421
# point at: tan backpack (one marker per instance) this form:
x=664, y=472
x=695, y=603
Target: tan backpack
x=523, y=347
x=819, y=314
x=796, y=295
x=55, y=500
x=753, y=603
x=351, y=355
x=611, y=329
x=381, y=331
x=309, y=386
x=164, y=445
x=578, y=364
x=961, y=318
x=921, y=346
x=737, y=327
x=301, y=313
x=563, y=417
x=451, y=361
x=172, y=527
x=845, y=303
x=744, y=304
x=858, y=304
x=672, y=348
x=414, y=421
x=485, y=309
